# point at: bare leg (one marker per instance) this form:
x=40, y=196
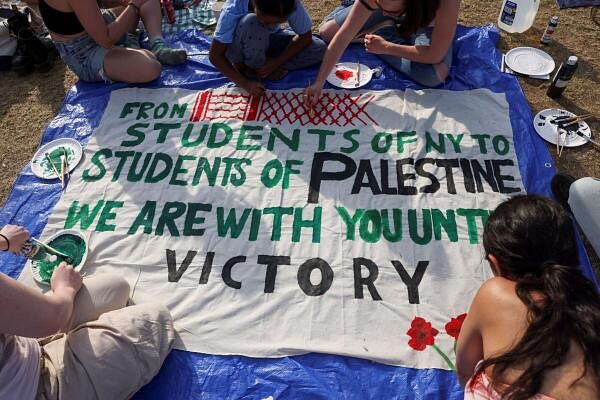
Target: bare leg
x=328, y=30
x=151, y=16
x=118, y=64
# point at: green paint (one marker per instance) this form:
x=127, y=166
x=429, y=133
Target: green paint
x=137, y=134
x=163, y=130
x=323, y=133
x=144, y=218
x=86, y=176
x=278, y=213
x=390, y=236
x=376, y=145
x=314, y=224
x=265, y=176
x=180, y=170
x=82, y=215
x=350, y=221
x=370, y=226
x=71, y=245
x=171, y=211
x=413, y=227
x=106, y=215
x=501, y=145
x=410, y=138
x=455, y=141
x=56, y=160
x=481, y=141
x=205, y=168
x=471, y=214
x=431, y=144
x=244, y=136
x=192, y=218
x=348, y=136
x=448, y=222
x=231, y=223
x=123, y=156
x=196, y=141
x=292, y=143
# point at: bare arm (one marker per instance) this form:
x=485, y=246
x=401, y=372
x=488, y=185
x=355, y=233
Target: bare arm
x=26, y=312
x=469, y=348
x=443, y=33
x=356, y=19
x=218, y=59
x=89, y=15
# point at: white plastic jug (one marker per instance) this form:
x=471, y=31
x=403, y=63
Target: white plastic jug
x=517, y=16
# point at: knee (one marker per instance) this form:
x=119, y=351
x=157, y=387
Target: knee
x=151, y=71
x=584, y=188
x=328, y=30
x=438, y=74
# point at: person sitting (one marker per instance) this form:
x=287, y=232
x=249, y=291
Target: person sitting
x=580, y=196
x=533, y=330
x=79, y=341
x=86, y=35
x=250, y=43
x=413, y=36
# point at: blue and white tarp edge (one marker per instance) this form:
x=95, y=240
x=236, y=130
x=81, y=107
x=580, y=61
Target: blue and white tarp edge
x=187, y=375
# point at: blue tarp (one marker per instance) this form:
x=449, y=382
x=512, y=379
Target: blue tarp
x=186, y=375
x=577, y=3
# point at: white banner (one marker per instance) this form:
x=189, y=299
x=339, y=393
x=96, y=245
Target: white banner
x=271, y=230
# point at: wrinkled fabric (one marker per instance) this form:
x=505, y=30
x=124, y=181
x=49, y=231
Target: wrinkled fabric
x=188, y=375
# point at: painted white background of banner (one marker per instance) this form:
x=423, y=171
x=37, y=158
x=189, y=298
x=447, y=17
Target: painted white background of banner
x=215, y=318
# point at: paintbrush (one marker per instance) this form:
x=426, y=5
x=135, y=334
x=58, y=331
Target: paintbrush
x=357, y=84
x=53, y=167
x=589, y=139
x=66, y=162
x=53, y=251
x=311, y=112
x=62, y=172
x=575, y=120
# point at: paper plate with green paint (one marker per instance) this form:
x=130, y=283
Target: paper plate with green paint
x=69, y=242
x=67, y=148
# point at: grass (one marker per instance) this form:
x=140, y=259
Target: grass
x=28, y=104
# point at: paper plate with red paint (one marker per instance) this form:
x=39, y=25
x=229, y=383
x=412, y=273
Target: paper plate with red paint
x=47, y=161
x=350, y=75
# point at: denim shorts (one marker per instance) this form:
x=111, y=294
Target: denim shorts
x=85, y=57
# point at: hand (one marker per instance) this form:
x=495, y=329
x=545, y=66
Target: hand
x=266, y=69
x=16, y=235
x=254, y=88
x=65, y=277
x=376, y=44
x=312, y=94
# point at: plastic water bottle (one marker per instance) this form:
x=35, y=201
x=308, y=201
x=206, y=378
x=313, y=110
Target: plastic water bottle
x=517, y=16
x=563, y=76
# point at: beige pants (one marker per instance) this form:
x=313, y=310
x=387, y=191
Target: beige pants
x=108, y=351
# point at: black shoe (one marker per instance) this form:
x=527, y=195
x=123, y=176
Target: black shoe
x=560, y=185
x=37, y=51
x=21, y=61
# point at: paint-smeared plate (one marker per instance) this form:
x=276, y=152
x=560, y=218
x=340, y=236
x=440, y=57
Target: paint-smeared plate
x=345, y=75
x=545, y=125
x=42, y=168
x=76, y=247
x=529, y=61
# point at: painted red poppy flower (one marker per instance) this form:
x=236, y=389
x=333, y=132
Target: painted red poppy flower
x=453, y=327
x=421, y=333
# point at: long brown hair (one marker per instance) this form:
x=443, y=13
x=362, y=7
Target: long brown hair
x=533, y=239
x=418, y=14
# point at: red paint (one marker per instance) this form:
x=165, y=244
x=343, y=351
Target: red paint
x=453, y=327
x=421, y=333
x=344, y=74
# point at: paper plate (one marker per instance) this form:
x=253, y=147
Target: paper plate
x=42, y=276
x=545, y=125
x=42, y=168
x=529, y=61
x=344, y=75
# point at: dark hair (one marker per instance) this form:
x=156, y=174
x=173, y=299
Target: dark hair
x=275, y=8
x=418, y=14
x=533, y=239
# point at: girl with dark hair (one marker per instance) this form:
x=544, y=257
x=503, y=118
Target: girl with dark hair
x=533, y=331
x=413, y=36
